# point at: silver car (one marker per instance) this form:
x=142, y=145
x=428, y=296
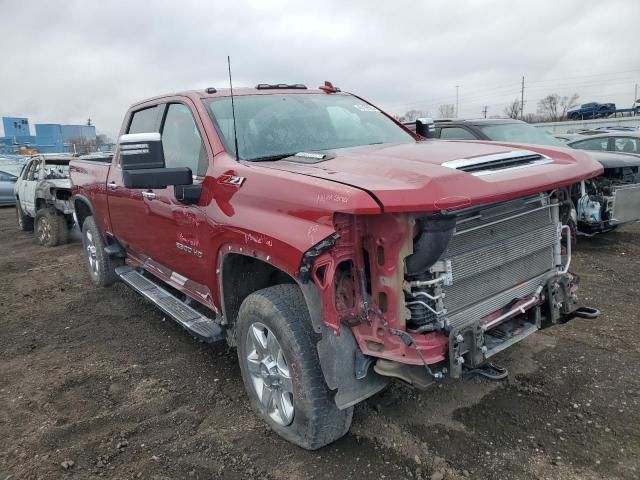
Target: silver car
x=618, y=141
x=9, y=172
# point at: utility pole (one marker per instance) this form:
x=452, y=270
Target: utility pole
x=457, y=88
x=484, y=110
x=635, y=97
x=522, y=100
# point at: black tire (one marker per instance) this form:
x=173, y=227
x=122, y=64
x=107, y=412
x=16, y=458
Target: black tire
x=104, y=274
x=25, y=222
x=317, y=421
x=51, y=228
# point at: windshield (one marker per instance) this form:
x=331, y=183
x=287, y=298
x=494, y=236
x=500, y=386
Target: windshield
x=519, y=133
x=278, y=125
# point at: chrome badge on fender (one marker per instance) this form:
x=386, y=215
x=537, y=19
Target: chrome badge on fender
x=188, y=249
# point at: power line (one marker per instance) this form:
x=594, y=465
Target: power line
x=529, y=82
x=522, y=100
x=584, y=76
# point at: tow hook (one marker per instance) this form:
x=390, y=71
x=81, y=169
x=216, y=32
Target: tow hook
x=490, y=371
x=589, y=313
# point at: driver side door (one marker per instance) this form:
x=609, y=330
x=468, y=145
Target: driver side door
x=27, y=189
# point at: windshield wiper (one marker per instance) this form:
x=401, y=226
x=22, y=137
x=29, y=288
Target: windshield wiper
x=272, y=158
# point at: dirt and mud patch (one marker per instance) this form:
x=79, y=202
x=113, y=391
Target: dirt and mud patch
x=97, y=384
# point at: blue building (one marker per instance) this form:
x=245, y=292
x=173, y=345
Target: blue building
x=49, y=137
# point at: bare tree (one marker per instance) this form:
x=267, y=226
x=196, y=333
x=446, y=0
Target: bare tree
x=412, y=115
x=533, y=118
x=102, y=139
x=513, y=109
x=448, y=110
x=553, y=107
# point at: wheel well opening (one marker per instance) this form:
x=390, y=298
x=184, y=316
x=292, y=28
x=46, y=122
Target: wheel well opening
x=82, y=211
x=241, y=276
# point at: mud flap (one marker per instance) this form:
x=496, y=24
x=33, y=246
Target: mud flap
x=339, y=361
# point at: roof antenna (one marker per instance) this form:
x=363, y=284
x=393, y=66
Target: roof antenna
x=233, y=110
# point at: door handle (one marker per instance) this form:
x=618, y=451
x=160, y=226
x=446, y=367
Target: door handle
x=112, y=185
x=149, y=195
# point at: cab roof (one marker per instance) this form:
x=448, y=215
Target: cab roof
x=260, y=89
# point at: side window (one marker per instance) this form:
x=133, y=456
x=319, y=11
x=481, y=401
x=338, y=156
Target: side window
x=627, y=144
x=456, y=133
x=144, y=121
x=181, y=140
x=592, y=144
x=4, y=177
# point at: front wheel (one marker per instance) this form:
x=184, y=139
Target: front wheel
x=51, y=228
x=101, y=267
x=281, y=370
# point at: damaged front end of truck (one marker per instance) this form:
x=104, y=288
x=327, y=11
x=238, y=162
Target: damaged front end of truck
x=430, y=296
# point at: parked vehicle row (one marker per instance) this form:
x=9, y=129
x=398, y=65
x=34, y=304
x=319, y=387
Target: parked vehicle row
x=600, y=203
x=334, y=247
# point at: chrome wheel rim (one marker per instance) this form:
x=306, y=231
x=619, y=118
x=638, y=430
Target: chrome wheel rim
x=92, y=256
x=269, y=372
x=44, y=230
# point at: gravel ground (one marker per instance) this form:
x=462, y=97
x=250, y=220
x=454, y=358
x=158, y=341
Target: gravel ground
x=96, y=383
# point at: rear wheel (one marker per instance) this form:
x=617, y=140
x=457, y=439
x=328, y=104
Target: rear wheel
x=51, y=228
x=101, y=267
x=281, y=370
x=25, y=222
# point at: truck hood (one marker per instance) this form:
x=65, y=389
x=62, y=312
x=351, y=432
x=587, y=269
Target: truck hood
x=419, y=176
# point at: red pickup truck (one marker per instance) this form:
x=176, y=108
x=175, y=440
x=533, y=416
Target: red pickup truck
x=335, y=248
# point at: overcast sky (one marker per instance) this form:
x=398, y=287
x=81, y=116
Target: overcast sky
x=65, y=61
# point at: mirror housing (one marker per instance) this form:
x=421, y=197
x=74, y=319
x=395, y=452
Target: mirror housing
x=143, y=166
x=141, y=151
x=426, y=127
x=150, y=178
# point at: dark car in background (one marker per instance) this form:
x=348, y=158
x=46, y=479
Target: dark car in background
x=602, y=203
x=492, y=129
x=592, y=110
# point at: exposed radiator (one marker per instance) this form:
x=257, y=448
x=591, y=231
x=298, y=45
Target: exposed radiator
x=498, y=255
